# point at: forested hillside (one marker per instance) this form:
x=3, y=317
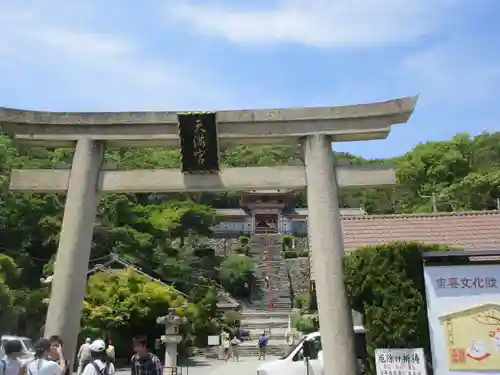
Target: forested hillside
x=155, y=230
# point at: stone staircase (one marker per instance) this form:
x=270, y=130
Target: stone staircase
x=266, y=249
x=268, y=311
x=274, y=322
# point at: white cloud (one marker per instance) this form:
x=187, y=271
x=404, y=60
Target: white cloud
x=320, y=23
x=59, y=47
x=454, y=70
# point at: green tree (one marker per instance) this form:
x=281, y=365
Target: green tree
x=235, y=271
x=181, y=218
x=202, y=314
x=123, y=303
x=9, y=274
x=164, y=233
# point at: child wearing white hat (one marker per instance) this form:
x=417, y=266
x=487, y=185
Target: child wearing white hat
x=99, y=365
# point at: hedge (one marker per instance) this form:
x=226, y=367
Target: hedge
x=306, y=323
x=386, y=283
x=243, y=240
x=287, y=242
x=292, y=254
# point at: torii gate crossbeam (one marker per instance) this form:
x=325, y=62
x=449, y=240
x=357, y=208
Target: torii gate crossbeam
x=313, y=128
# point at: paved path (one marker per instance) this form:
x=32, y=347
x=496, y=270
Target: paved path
x=202, y=366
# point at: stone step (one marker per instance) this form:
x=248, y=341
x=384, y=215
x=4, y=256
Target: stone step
x=252, y=325
x=257, y=320
x=270, y=259
x=270, y=244
x=272, y=273
x=263, y=245
x=271, y=342
x=264, y=305
x=274, y=333
x=259, y=314
x=277, y=307
x=271, y=350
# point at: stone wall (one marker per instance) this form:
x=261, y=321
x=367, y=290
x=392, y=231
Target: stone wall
x=299, y=273
x=301, y=243
x=221, y=244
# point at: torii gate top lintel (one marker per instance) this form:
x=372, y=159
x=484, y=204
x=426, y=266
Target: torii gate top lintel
x=199, y=137
x=160, y=129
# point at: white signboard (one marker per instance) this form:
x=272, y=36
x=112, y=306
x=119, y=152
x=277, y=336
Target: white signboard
x=400, y=362
x=213, y=341
x=463, y=304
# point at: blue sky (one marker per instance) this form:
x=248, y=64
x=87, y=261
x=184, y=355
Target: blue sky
x=96, y=55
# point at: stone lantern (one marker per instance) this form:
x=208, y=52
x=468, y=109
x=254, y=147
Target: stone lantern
x=171, y=339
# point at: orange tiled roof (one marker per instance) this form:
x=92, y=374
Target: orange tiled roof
x=476, y=230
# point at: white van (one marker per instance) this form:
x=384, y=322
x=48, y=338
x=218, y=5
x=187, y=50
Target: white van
x=26, y=343
x=293, y=363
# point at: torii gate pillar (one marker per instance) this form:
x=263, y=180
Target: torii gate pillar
x=327, y=247
x=316, y=127
x=73, y=254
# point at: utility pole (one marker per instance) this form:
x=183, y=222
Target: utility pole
x=433, y=197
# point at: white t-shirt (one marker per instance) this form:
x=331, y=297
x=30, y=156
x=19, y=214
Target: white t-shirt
x=225, y=340
x=9, y=366
x=84, y=353
x=44, y=367
x=91, y=370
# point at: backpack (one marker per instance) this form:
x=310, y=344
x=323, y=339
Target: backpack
x=263, y=340
x=150, y=365
x=103, y=371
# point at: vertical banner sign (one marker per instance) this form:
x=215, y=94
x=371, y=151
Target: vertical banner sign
x=400, y=362
x=199, y=142
x=463, y=303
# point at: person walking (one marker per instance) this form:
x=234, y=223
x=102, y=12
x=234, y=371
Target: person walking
x=43, y=364
x=56, y=344
x=263, y=340
x=144, y=362
x=10, y=364
x=235, y=342
x=83, y=355
x=99, y=364
x=226, y=344
x=110, y=351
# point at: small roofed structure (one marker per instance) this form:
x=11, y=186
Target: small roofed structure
x=268, y=211
x=224, y=301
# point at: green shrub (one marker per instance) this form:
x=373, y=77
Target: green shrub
x=385, y=282
x=305, y=323
x=243, y=240
x=204, y=252
x=287, y=242
x=302, y=254
x=290, y=254
x=232, y=318
x=234, y=272
x=242, y=249
x=301, y=301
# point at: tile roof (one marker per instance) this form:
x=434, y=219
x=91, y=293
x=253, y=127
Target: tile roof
x=343, y=211
x=231, y=212
x=476, y=230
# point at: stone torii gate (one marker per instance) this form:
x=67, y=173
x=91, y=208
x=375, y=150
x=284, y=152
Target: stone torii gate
x=200, y=136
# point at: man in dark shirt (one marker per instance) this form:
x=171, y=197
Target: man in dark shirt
x=144, y=362
x=56, y=343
